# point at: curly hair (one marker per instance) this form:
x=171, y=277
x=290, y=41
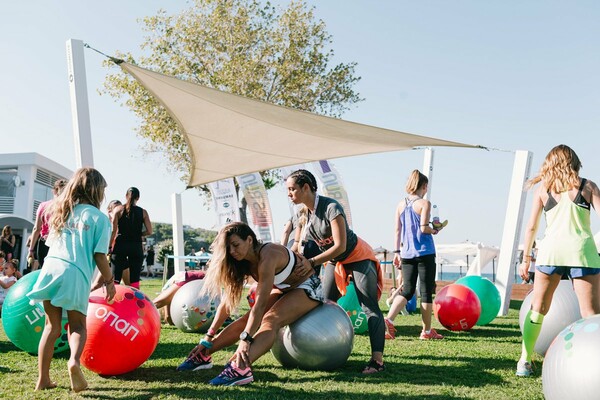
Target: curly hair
x=559, y=171
x=225, y=272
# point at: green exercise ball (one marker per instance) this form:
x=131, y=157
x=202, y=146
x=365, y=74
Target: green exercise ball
x=23, y=323
x=488, y=295
x=351, y=305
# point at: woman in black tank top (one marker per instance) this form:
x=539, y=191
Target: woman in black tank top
x=130, y=224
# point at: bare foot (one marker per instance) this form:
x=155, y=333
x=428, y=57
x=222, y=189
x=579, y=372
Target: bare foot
x=78, y=382
x=45, y=385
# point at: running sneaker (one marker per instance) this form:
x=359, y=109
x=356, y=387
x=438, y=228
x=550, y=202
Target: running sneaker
x=524, y=368
x=196, y=363
x=390, y=329
x=432, y=335
x=232, y=376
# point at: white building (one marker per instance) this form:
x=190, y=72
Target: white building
x=26, y=180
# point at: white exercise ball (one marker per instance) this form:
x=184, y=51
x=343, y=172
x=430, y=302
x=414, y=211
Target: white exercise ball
x=190, y=311
x=563, y=311
x=571, y=367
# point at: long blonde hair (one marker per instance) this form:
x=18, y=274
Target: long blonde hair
x=225, y=272
x=416, y=180
x=559, y=171
x=86, y=186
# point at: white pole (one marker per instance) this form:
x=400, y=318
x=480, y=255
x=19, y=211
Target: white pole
x=79, y=104
x=178, y=242
x=512, y=228
x=428, y=170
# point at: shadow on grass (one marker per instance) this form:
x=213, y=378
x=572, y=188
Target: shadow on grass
x=470, y=372
x=186, y=385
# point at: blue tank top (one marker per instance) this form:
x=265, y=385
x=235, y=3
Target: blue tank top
x=414, y=242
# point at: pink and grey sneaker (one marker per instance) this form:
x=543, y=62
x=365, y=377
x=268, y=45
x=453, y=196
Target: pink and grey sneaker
x=432, y=335
x=232, y=376
x=390, y=329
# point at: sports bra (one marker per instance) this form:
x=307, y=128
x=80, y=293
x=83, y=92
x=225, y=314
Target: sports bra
x=579, y=200
x=282, y=275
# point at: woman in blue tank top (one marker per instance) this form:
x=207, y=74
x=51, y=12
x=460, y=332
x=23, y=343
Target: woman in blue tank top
x=415, y=254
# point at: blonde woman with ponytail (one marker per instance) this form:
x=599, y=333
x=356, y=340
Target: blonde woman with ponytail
x=568, y=246
x=415, y=255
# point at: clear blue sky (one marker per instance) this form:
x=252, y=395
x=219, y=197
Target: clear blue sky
x=508, y=75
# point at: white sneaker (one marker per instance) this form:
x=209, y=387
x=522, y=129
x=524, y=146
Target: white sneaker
x=524, y=368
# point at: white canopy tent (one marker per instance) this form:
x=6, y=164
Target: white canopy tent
x=482, y=255
x=230, y=135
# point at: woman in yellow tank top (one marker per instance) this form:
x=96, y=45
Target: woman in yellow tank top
x=568, y=246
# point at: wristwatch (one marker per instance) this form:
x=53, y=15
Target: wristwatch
x=246, y=337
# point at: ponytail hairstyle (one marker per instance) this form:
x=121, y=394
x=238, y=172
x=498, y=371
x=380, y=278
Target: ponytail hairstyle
x=86, y=186
x=302, y=177
x=225, y=272
x=132, y=195
x=416, y=181
x=559, y=171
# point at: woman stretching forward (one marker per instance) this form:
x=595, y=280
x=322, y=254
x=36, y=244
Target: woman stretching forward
x=237, y=255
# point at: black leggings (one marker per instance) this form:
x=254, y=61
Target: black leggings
x=41, y=251
x=365, y=281
x=424, y=267
x=129, y=255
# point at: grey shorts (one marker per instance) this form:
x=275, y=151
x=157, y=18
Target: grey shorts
x=313, y=288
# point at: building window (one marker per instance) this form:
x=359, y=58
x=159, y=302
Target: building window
x=7, y=182
x=7, y=190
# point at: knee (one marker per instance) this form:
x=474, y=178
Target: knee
x=426, y=297
x=407, y=292
x=271, y=322
x=54, y=331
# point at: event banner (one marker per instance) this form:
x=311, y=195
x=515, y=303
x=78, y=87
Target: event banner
x=332, y=185
x=258, y=203
x=225, y=202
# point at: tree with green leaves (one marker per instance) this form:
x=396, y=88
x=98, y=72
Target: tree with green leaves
x=245, y=47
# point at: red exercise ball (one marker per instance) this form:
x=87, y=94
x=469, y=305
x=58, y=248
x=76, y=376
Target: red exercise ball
x=457, y=307
x=252, y=295
x=122, y=334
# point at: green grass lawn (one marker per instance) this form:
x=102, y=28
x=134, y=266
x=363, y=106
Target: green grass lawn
x=479, y=364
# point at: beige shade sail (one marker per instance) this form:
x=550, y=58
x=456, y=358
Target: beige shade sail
x=230, y=135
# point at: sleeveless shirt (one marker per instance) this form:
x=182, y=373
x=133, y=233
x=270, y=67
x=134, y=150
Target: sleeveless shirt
x=130, y=225
x=568, y=239
x=414, y=242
